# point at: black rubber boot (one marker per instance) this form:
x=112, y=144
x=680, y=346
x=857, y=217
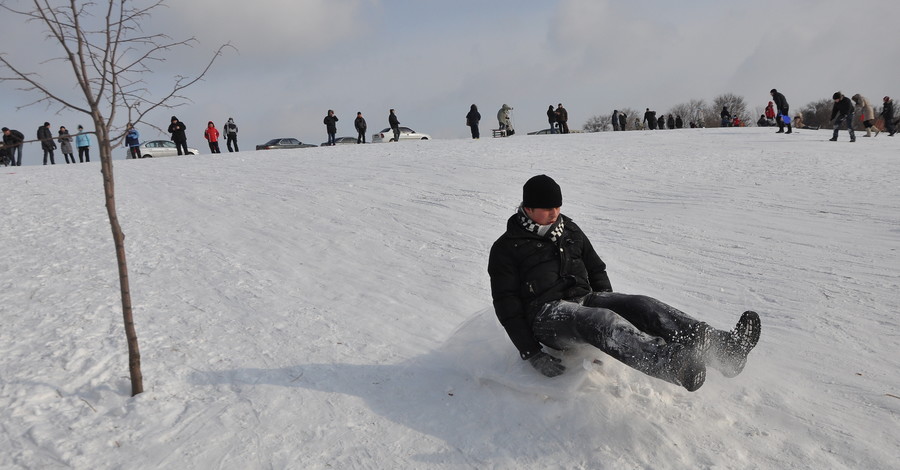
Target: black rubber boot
x=729, y=350
x=685, y=363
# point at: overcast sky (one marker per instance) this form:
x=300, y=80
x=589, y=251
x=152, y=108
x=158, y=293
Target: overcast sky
x=431, y=60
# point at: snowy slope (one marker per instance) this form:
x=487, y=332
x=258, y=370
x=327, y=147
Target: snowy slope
x=297, y=309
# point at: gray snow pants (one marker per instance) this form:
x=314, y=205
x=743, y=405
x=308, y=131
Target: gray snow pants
x=637, y=330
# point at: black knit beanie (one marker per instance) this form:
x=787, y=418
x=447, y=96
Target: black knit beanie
x=541, y=192
x=837, y=95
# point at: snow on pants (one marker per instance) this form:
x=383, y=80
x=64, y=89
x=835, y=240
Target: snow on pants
x=637, y=330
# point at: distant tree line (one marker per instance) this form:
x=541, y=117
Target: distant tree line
x=698, y=111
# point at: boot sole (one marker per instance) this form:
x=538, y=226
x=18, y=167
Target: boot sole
x=742, y=340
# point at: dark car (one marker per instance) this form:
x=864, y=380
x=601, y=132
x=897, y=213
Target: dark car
x=341, y=141
x=284, y=143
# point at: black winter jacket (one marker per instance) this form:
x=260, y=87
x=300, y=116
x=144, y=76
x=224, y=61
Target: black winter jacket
x=13, y=139
x=781, y=103
x=360, y=124
x=528, y=270
x=393, y=121
x=46, y=138
x=473, y=117
x=177, y=130
x=888, y=111
x=842, y=108
x=330, y=122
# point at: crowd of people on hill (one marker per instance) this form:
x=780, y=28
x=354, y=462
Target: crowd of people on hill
x=776, y=113
x=14, y=140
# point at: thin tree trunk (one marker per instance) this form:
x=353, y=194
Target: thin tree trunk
x=134, y=353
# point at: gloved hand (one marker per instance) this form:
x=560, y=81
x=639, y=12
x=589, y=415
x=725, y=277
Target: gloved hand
x=547, y=364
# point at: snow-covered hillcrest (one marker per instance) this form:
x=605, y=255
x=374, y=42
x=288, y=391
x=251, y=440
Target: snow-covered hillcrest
x=297, y=309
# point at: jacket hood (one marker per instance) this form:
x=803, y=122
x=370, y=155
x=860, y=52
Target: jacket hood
x=210, y=123
x=173, y=118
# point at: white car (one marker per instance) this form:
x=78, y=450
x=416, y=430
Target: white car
x=160, y=148
x=405, y=134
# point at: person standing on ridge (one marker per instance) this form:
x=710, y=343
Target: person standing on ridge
x=781, y=105
x=552, y=119
x=472, y=119
x=360, y=124
x=395, y=125
x=504, y=119
x=562, y=116
x=887, y=113
x=46, y=137
x=330, y=122
x=212, y=137
x=65, y=144
x=177, y=128
x=83, y=142
x=231, y=131
x=133, y=141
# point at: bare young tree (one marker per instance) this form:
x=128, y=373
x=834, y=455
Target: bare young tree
x=818, y=113
x=736, y=106
x=599, y=123
x=691, y=111
x=104, y=46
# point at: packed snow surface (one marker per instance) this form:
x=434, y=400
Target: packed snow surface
x=330, y=307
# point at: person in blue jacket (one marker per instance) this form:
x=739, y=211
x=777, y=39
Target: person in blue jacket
x=133, y=141
x=83, y=142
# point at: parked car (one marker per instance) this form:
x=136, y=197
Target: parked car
x=405, y=134
x=548, y=131
x=284, y=143
x=340, y=141
x=160, y=148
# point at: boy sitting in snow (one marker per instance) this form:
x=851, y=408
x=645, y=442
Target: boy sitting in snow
x=551, y=288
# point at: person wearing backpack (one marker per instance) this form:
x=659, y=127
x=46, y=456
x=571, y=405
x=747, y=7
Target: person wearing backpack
x=231, y=131
x=12, y=140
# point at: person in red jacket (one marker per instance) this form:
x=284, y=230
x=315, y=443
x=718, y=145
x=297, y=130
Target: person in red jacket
x=770, y=114
x=212, y=136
